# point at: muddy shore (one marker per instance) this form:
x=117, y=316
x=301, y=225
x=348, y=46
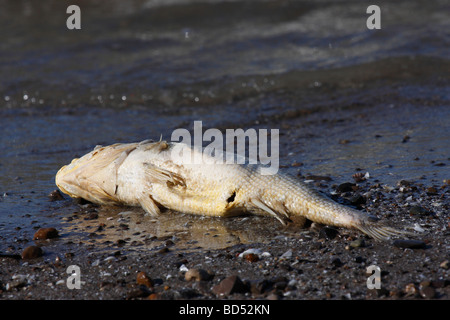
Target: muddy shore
x=112, y=246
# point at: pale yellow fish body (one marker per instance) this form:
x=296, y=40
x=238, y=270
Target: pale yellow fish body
x=161, y=174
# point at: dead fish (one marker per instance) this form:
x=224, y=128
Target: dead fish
x=163, y=174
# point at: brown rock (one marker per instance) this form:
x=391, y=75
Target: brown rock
x=32, y=252
x=55, y=195
x=431, y=190
x=230, y=285
x=251, y=257
x=45, y=233
x=154, y=296
x=427, y=293
x=143, y=279
x=411, y=289
x=411, y=244
x=198, y=275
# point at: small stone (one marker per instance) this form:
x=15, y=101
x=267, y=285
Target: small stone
x=273, y=296
x=143, y=279
x=357, y=199
x=404, y=183
x=418, y=210
x=287, y=255
x=261, y=286
x=251, y=257
x=198, y=275
x=55, y=195
x=406, y=139
x=359, y=177
x=91, y=216
x=32, y=252
x=431, y=190
x=328, y=233
x=154, y=296
x=411, y=289
x=45, y=233
x=411, y=244
x=18, y=281
x=445, y=264
x=336, y=262
x=427, y=292
x=424, y=284
x=358, y=243
x=183, y=268
x=244, y=254
x=230, y=285
x=345, y=187
x=141, y=292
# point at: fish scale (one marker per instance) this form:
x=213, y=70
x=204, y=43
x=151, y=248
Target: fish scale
x=152, y=175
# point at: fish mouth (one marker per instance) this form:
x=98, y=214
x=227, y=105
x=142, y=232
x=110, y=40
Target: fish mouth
x=59, y=181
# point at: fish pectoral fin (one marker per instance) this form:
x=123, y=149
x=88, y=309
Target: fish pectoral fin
x=149, y=205
x=96, y=194
x=159, y=175
x=278, y=211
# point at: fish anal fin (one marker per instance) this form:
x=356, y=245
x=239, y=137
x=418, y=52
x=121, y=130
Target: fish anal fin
x=276, y=210
x=149, y=205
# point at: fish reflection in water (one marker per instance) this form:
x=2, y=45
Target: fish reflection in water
x=132, y=228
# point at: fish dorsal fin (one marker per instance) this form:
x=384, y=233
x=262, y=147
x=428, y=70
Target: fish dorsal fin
x=278, y=211
x=150, y=145
x=161, y=176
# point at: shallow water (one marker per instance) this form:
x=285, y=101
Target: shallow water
x=344, y=97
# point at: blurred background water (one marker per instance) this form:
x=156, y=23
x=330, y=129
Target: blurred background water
x=343, y=96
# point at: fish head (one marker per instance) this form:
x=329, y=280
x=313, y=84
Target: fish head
x=93, y=177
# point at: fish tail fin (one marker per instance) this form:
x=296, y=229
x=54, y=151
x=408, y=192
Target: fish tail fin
x=379, y=230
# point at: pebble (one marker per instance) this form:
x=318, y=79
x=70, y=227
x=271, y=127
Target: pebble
x=411, y=289
x=18, y=281
x=55, y=195
x=357, y=199
x=445, y=264
x=230, y=285
x=426, y=291
x=345, y=187
x=143, y=279
x=256, y=252
x=198, y=275
x=411, y=244
x=328, y=233
x=431, y=190
x=358, y=243
x=251, y=257
x=45, y=233
x=32, y=252
x=336, y=262
x=418, y=210
x=287, y=255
